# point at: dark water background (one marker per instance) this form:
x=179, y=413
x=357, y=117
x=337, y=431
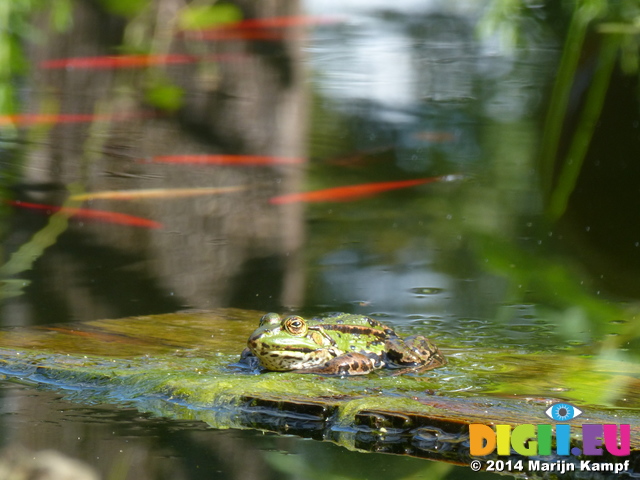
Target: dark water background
x=374, y=92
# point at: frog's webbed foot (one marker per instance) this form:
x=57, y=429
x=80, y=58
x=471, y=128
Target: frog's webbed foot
x=415, y=353
x=347, y=364
x=436, y=361
x=430, y=354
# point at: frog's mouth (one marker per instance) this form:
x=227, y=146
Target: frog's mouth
x=293, y=359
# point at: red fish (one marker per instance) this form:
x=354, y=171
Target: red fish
x=26, y=119
x=262, y=28
x=241, y=160
x=130, y=61
x=90, y=214
x=354, y=192
x=220, y=34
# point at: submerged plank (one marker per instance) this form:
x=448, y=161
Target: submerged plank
x=181, y=366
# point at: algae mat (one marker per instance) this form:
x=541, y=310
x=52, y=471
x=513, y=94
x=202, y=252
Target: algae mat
x=181, y=366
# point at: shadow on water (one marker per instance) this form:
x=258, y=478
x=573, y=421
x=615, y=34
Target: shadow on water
x=533, y=247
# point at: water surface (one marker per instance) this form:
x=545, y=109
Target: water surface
x=360, y=95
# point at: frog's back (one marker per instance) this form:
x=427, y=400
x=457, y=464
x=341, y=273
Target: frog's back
x=350, y=319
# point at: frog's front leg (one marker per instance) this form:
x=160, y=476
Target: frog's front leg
x=346, y=364
x=248, y=360
x=414, y=351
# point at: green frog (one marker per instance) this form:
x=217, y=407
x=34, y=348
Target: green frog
x=339, y=344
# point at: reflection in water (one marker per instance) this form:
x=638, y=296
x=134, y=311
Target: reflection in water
x=94, y=138
x=349, y=277
x=123, y=443
x=389, y=93
x=116, y=440
x=253, y=106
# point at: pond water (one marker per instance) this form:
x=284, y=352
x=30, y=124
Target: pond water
x=509, y=237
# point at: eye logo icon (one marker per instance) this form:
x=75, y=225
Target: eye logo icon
x=562, y=412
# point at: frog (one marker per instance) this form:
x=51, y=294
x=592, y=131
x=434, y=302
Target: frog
x=339, y=344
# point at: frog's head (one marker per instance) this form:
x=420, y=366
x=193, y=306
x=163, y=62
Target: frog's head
x=286, y=344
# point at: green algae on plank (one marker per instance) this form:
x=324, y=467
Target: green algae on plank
x=208, y=332
x=181, y=366
x=189, y=354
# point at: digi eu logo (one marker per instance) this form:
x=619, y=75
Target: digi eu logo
x=562, y=412
x=531, y=440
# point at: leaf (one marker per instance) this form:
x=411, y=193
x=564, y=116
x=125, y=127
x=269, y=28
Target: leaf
x=12, y=287
x=61, y=15
x=22, y=260
x=127, y=8
x=207, y=16
x=165, y=96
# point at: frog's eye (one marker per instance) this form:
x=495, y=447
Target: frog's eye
x=295, y=326
x=270, y=319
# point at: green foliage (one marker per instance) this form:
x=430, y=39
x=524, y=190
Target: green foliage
x=27, y=254
x=164, y=95
x=503, y=18
x=570, y=168
x=630, y=44
x=15, y=28
x=617, y=25
x=618, y=42
x=194, y=17
x=552, y=282
x=127, y=8
x=61, y=14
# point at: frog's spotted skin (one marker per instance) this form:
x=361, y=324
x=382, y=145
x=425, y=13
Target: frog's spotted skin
x=340, y=344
